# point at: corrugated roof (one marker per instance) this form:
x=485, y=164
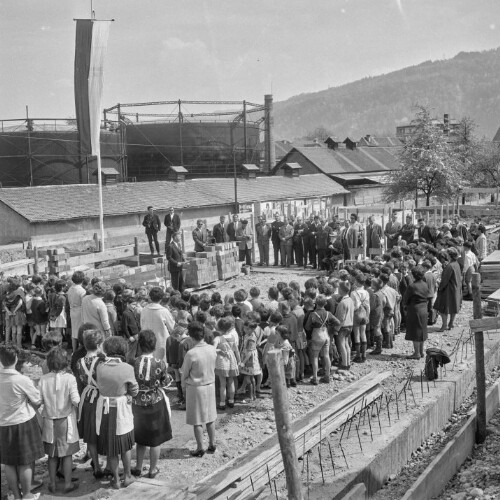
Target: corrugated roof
x=497, y=136
x=77, y=201
x=331, y=161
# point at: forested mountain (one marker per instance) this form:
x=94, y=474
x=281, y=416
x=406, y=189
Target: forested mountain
x=467, y=85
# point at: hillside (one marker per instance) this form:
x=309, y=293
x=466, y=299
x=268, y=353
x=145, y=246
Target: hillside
x=466, y=85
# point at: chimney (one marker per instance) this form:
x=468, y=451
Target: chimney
x=249, y=171
x=332, y=143
x=269, y=151
x=292, y=170
x=176, y=173
x=446, y=124
x=109, y=176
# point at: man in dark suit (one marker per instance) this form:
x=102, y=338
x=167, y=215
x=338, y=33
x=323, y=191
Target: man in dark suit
x=200, y=237
x=232, y=227
x=424, y=231
x=373, y=235
x=173, y=224
x=298, y=247
x=263, y=231
x=392, y=231
x=219, y=231
x=175, y=258
x=275, y=238
x=152, y=225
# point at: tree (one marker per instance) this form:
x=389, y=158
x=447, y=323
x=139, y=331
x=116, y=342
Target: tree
x=485, y=167
x=429, y=164
x=321, y=133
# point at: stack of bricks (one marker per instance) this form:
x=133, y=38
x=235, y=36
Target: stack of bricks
x=201, y=268
x=228, y=264
x=57, y=261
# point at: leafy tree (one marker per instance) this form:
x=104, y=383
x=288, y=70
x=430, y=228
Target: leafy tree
x=485, y=167
x=321, y=133
x=429, y=164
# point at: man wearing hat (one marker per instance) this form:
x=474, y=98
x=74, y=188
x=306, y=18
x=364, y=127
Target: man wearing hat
x=173, y=224
x=175, y=258
x=152, y=225
x=408, y=230
x=244, y=238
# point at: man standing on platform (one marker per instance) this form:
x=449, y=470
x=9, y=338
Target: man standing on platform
x=298, y=245
x=175, y=258
x=392, y=230
x=152, y=225
x=263, y=231
x=408, y=230
x=173, y=224
x=373, y=235
x=354, y=233
x=219, y=232
x=232, y=227
x=244, y=238
x=424, y=231
x=199, y=237
x=314, y=227
x=275, y=237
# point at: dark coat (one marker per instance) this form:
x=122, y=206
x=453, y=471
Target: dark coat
x=172, y=223
x=415, y=301
x=275, y=232
x=219, y=233
x=373, y=236
x=174, y=256
x=231, y=231
x=426, y=233
x=151, y=223
x=449, y=296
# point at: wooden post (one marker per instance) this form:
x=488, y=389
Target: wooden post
x=136, y=250
x=442, y=214
x=283, y=424
x=345, y=213
x=480, y=369
x=35, y=263
x=436, y=217
x=365, y=249
x=428, y=212
x=96, y=242
x=182, y=241
x=383, y=242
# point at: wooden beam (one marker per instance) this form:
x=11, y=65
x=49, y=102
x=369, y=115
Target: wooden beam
x=253, y=469
x=484, y=324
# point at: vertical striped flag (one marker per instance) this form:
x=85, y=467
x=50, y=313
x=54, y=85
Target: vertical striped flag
x=91, y=44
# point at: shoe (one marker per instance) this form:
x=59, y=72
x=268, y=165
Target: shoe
x=107, y=473
x=153, y=474
x=98, y=474
x=413, y=356
x=197, y=453
x=221, y=407
x=35, y=485
x=211, y=449
x=314, y=381
x=60, y=475
x=324, y=380
x=51, y=488
x=182, y=405
x=357, y=359
x=114, y=484
x=136, y=472
x=450, y=326
x=293, y=383
x=230, y=404
x=345, y=367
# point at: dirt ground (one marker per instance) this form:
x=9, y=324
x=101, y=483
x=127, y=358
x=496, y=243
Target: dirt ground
x=249, y=423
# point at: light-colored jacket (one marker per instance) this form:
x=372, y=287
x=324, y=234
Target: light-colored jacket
x=158, y=319
x=242, y=234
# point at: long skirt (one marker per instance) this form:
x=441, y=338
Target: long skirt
x=60, y=447
x=152, y=424
x=21, y=444
x=108, y=443
x=200, y=404
x=416, y=322
x=86, y=425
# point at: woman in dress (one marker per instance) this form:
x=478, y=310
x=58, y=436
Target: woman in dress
x=226, y=364
x=15, y=317
x=57, y=308
x=60, y=401
x=415, y=305
x=20, y=436
x=449, y=296
x=151, y=406
x=249, y=365
x=86, y=368
x=114, y=417
x=198, y=378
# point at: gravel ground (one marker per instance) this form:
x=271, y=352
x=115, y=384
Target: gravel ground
x=240, y=429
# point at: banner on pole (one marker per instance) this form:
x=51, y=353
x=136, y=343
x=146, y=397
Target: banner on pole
x=90, y=50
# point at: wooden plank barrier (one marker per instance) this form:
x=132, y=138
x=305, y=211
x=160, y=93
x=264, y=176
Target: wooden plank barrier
x=254, y=468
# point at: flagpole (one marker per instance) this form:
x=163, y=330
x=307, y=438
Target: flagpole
x=101, y=209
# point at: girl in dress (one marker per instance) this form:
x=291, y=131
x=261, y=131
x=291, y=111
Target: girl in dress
x=57, y=308
x=13, y=306
x=249, y=365
x=114, y=417
x=60, y=400
x=226, y=363
x=86, y=368
x=151, y=407
x=20, y=437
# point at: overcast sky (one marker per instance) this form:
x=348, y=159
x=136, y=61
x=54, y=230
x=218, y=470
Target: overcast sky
x=227, y=49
